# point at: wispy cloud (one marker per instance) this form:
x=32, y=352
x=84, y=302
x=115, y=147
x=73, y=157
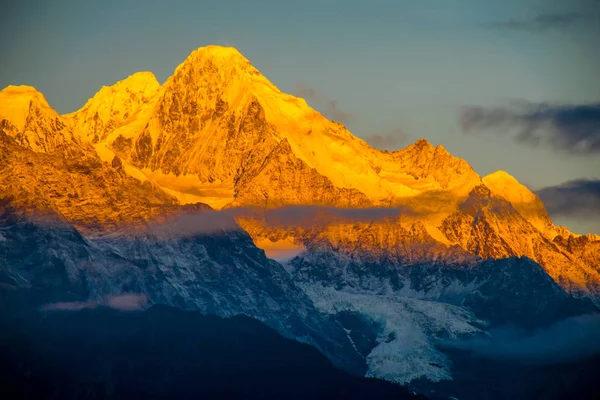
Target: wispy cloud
x=578, y=198
x=327, y=106
x=571, y=128
x=541, y=22
x=571, y=339
x=387, y=140
x=124, y=302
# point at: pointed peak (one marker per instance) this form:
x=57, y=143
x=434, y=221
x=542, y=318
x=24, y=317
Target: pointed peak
x=419, y=146
x=213, y=59
x=441, y=151
x=502, y=184
x=422, y=143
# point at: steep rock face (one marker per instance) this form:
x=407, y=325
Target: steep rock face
x=205, y=122
x=81, y=188
x=284, y=179
x=26, y=116
x=422, y=160
x=489, y=226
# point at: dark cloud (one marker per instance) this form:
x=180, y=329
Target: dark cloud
x=570, y=128
x=574, y=338
x=542, y=22
x=578, y=198
x=387, y=140
x=124, y=302
x=328, y=107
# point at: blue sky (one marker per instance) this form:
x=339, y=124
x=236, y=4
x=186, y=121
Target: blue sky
x=397, y=69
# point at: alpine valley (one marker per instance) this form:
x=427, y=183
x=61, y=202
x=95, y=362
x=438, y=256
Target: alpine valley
x=215, y=192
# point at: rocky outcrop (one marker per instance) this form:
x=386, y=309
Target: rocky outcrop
x=284, y=179
x=82, y=189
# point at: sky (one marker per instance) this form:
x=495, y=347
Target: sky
x=511, y=85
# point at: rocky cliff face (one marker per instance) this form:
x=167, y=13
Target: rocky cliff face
x=80, y=188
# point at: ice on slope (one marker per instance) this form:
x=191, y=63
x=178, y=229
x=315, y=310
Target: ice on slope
x=406, y=347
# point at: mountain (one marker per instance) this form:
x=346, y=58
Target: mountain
x=166, y=353
x=174, y=191
x=219, y=132
x=44, y=259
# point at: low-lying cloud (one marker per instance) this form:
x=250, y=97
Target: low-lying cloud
x=570, y=128
x=574, y=338
x=311, y=216
x=124, y=302
x=223, y=221
x=578, y=198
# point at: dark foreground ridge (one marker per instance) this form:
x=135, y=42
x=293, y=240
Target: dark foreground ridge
x=165, y=353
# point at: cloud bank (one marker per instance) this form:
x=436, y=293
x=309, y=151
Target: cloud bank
x=573, y=129
x=574, y=338
x=577, y=198
x=223, y=221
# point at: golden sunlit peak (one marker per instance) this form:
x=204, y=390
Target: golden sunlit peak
x=15, y=103
x=142, y=76
x=421, y=144
x=216, y=51
x=502, y=178
x=142, y=82
x=23, y=93
x=218, y=58
x=507, y=186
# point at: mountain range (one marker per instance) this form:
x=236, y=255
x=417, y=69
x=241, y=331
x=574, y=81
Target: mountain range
x=190, y=192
